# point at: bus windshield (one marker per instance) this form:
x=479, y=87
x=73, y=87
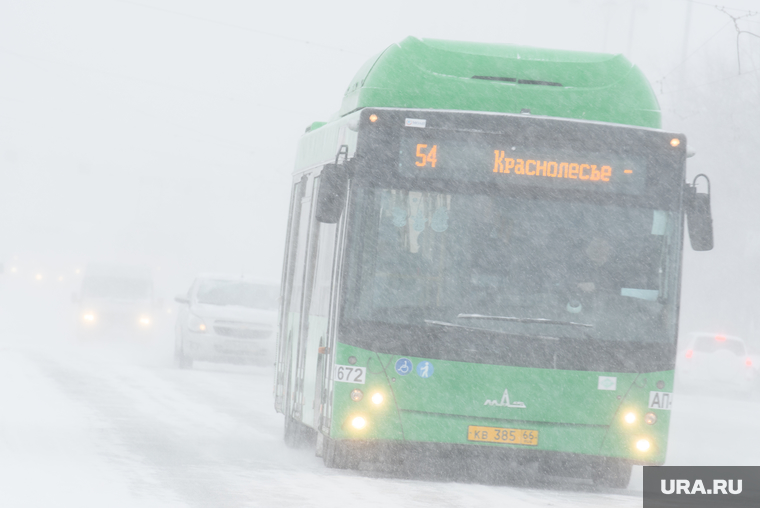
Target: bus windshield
x=518, y=266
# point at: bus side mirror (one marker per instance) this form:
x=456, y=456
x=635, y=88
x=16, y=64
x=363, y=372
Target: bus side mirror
x=699, y=217
x=333, y=184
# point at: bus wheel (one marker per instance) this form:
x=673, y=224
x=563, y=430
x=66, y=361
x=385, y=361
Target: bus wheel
x=614, y=474
x=296, y=434
x=337, y=455
x=184, y=362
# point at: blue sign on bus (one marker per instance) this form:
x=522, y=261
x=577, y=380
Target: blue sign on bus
x=404, y=366
x=425, y=369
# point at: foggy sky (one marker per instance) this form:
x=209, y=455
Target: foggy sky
x=164, y=131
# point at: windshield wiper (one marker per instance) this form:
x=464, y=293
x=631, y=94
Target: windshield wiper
x=453, y=325
x=523, y=320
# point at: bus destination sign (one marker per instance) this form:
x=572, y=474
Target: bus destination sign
x=485, y=159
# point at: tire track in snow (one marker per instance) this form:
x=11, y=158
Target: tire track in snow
x=213, y=439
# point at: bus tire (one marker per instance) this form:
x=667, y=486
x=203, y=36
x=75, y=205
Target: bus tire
x=337, y=455
x=296, y=434
x=615, y=474
x=184, y=362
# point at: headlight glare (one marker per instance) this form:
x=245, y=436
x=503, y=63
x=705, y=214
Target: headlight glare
x=195, y=324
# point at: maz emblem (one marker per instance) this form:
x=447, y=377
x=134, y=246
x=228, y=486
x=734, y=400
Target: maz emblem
x=505, y=402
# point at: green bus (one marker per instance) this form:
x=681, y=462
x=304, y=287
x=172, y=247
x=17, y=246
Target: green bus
x=483, y=259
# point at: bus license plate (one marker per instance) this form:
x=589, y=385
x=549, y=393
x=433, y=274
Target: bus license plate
x=501, y=435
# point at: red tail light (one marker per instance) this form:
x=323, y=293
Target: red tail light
x=720, y=338
x=748, y=362
x=689, y=353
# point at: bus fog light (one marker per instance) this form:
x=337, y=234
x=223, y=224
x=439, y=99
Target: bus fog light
x=359, y=422
x=650, y=418
x=643, y=445
x=630, y=417
x=377, y=398
x=356, y=395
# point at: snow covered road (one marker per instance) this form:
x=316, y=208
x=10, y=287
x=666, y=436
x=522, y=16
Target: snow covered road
x=114, y=426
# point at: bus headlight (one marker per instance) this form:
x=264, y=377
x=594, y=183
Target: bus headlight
x=88, y=317
x=359, y=422
x=643, y=445
x=630, y=418
x=377, y=398
x=144, y=320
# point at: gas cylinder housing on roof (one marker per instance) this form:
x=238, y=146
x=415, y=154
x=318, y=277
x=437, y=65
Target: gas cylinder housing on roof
x=504, y=78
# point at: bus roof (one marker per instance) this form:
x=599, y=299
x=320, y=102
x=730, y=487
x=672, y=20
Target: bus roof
x=504, y=78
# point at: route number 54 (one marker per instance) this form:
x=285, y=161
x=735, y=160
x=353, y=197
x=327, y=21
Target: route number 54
x=425, y=158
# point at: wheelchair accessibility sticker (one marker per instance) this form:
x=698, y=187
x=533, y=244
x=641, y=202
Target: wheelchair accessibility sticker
x=403, y=366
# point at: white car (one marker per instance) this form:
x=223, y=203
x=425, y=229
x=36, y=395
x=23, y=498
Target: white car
x=116, y=300
x=227, y=319
x=716, y=364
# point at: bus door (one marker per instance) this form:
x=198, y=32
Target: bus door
x=293, y=295
x=318, y=303
x=303, y=410
x=281, y=366
x=311, y=364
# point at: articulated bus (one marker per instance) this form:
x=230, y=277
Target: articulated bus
x=483, y=259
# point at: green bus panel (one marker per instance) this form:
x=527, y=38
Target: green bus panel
x=504, y=78
x=568, y=409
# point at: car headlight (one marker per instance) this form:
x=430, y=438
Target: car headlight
x=195, y=324
x=88, y=317
x=144, y=320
